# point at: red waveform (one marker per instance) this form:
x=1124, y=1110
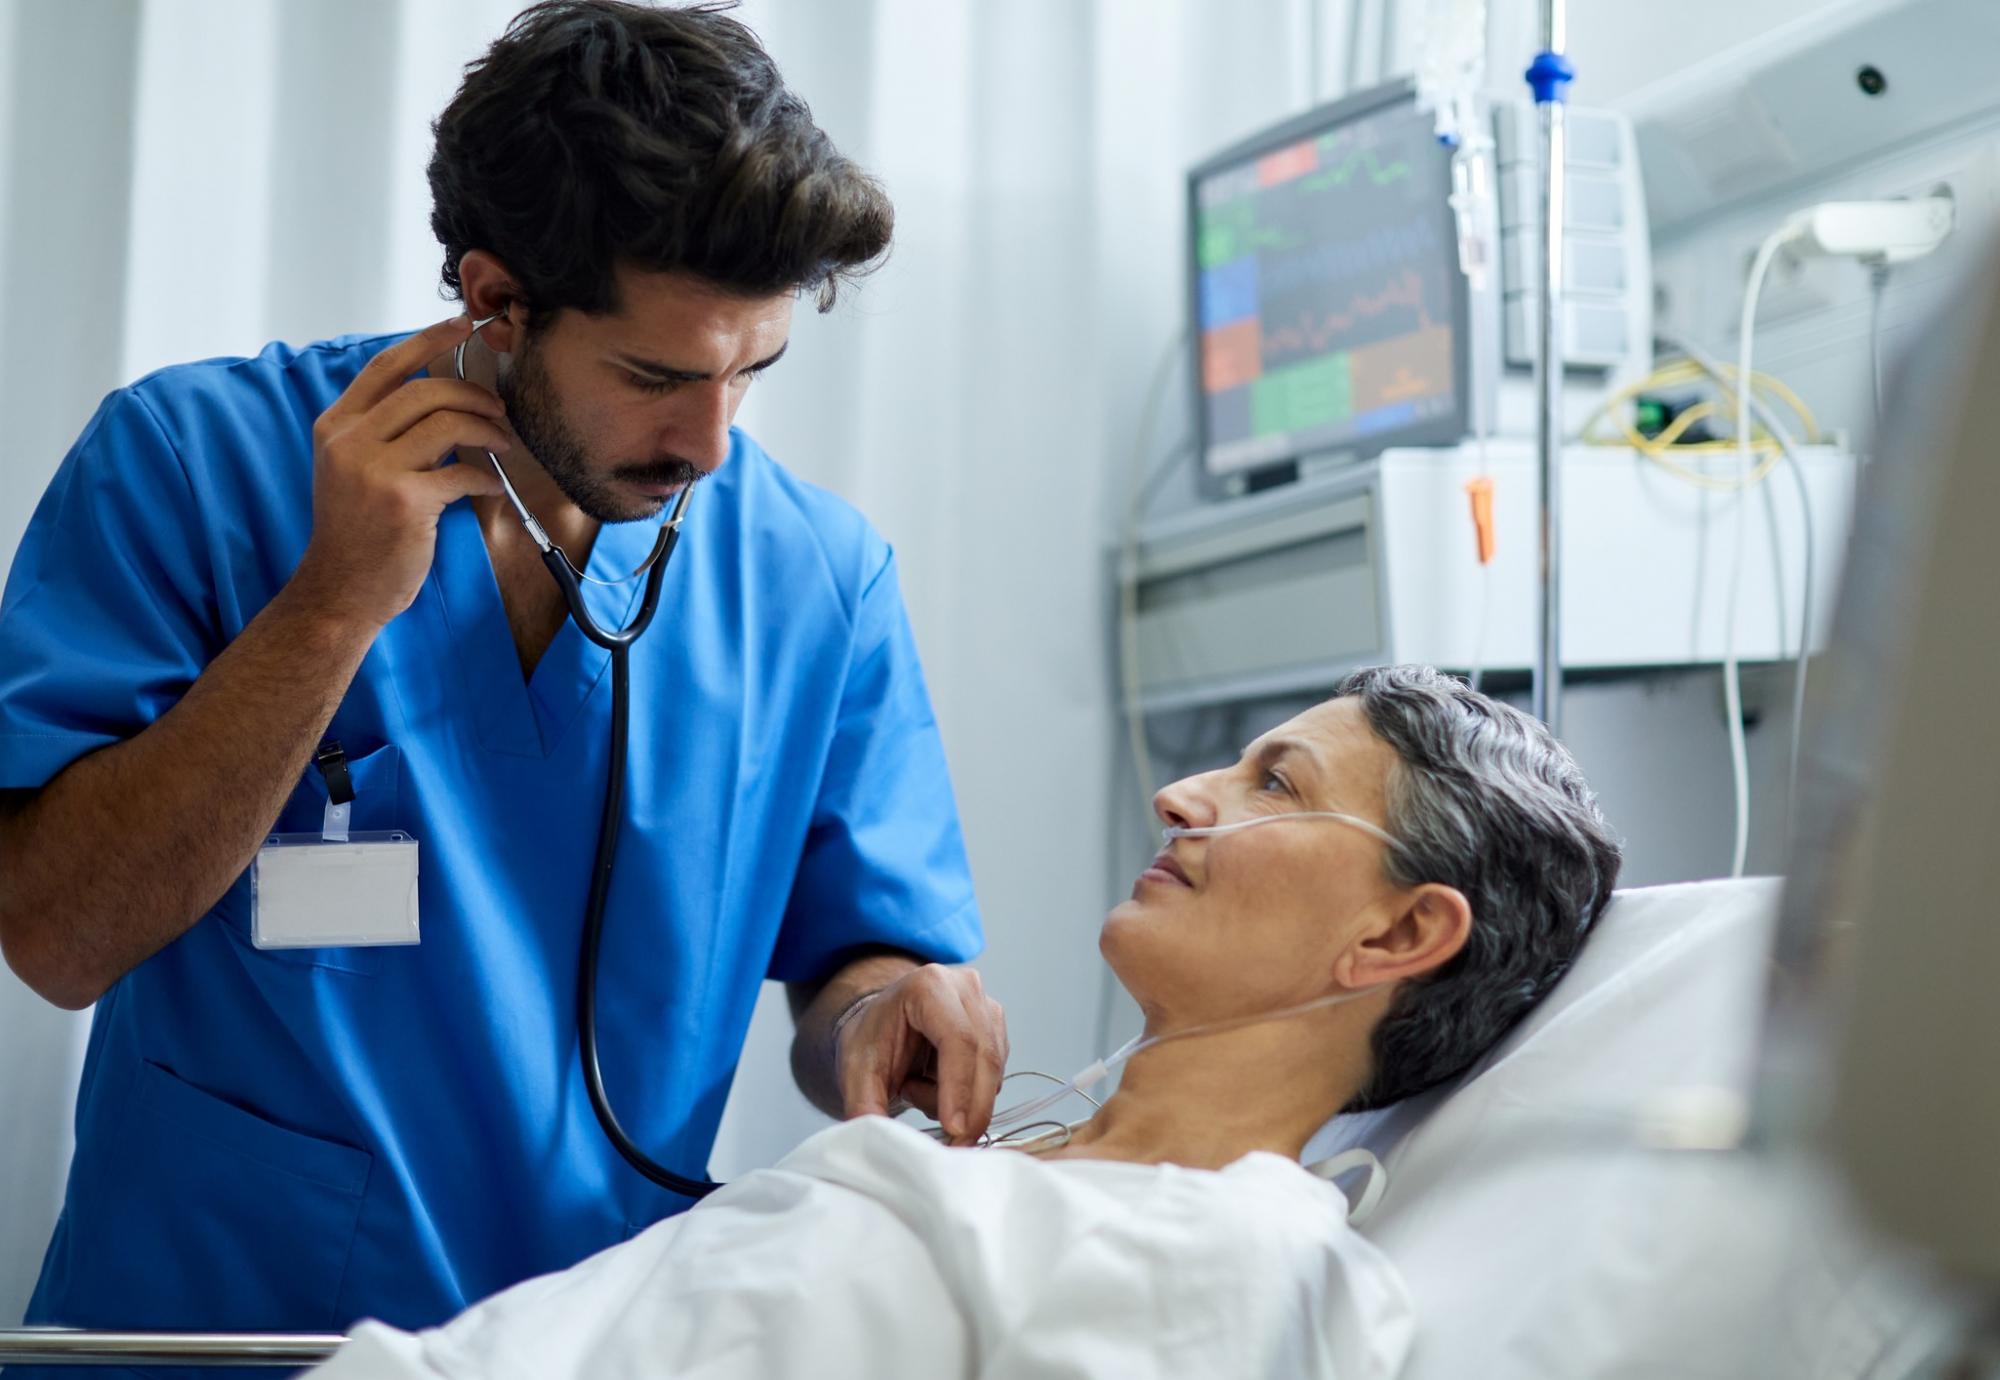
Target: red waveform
x=1406, y=385
x=1406, y=291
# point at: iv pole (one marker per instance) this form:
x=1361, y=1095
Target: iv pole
x=1549, y=76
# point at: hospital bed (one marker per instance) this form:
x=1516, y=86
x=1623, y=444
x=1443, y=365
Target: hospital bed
x=1563, y=1211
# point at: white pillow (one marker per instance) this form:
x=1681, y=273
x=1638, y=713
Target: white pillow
x=1542, y=1231
x=1521, y=1208
x=1667, y=993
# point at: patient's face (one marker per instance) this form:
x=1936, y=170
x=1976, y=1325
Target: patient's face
x=1250, y=921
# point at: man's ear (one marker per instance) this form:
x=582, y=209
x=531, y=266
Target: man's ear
x=1427, y=927
x=488, y=288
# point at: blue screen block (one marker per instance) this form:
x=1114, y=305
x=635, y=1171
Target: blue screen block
x=1228, y=292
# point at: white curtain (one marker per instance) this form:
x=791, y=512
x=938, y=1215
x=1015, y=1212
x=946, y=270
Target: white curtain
x=182, y=180
x=978, y=401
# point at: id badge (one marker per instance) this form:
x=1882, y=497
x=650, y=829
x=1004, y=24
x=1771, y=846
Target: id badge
x=334, y=889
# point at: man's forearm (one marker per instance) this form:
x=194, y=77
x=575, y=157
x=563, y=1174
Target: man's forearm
x=126, y=848
x=818, y=1012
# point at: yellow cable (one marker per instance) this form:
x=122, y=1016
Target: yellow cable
x=1686, y=372
x=1657, y=448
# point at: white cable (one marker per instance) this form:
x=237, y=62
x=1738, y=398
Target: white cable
x=1878, y=233
x=1128, y=631
x=1485, y=573
x=1205, y=831
x=1732, y=675
x=1099, y=1070
x=1798, y=472
x=1088, y=1077
x=1471, y=168
x=1878, y=284
x=1479, y=635
x=1768, y=417
x=1128, y=586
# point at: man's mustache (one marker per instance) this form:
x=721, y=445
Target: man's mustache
x=666, y=472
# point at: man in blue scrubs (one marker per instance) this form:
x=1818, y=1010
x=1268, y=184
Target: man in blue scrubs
x=243, y=559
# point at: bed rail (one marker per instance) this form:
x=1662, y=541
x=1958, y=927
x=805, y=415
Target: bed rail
x=64, y=1346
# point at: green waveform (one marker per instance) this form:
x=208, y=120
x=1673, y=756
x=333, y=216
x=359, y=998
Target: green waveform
x=1379, y=174
x=1231, y=230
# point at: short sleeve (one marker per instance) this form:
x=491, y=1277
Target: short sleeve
x=109, y=611
x=884, y=860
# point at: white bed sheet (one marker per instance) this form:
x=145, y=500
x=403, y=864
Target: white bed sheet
x=873, y=1251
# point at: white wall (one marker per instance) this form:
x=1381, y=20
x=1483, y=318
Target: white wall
x=1812, y=332
x=1621, y=46
x=979, y=403
x=1655, y=749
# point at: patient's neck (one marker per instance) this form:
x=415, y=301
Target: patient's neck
x=1206, y=1102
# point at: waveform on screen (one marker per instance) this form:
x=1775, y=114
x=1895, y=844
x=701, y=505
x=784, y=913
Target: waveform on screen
x=1372, y=255
x=1361, y=161
x=1406, y=385
x=1316, y=334
x=1265, y=238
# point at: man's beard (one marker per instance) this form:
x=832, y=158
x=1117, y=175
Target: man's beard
x=536, y=415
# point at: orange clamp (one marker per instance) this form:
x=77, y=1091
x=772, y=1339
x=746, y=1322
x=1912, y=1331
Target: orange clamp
x=1480, y=491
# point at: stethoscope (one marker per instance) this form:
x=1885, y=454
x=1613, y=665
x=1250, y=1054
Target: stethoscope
x=619, y=643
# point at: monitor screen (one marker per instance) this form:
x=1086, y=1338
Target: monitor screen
x=1330, y=307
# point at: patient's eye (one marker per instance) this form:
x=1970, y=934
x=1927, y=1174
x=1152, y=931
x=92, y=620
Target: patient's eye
x=646, y=384
x=1275, y=779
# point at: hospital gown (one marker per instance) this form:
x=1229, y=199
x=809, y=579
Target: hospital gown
x=872, y=1250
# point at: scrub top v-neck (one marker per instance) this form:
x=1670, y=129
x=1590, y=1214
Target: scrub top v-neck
x=295, y=1139
x=529, y=717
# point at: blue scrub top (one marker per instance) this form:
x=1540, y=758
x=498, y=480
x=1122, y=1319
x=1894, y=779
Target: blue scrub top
x=298, y=1139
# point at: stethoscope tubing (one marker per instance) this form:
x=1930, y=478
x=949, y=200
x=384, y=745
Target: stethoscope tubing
x=617, y=641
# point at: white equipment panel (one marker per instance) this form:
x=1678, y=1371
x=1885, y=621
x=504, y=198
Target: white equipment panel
x=1286, y=589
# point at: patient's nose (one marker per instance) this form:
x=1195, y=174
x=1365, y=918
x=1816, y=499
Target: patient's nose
x=1184, y=804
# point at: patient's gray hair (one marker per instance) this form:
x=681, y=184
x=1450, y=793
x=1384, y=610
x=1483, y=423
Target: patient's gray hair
x=1483, y=799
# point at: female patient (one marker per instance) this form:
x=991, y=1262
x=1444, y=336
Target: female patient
x=1173, y=1232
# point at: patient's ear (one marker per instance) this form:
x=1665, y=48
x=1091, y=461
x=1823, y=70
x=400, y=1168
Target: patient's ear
x=1425, y=932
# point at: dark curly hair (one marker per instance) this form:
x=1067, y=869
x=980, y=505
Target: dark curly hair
x=1484, y=799
x=595, y=133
